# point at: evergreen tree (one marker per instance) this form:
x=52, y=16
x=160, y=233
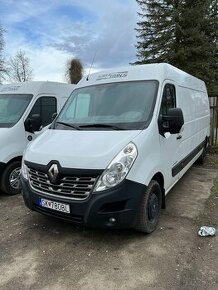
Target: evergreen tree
x=157, y=32
x=182, y=33
x=213, y=36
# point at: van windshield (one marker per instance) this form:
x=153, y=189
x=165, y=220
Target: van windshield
x=113, y=106
x=12, y=107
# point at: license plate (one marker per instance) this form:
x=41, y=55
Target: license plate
x=58, y=206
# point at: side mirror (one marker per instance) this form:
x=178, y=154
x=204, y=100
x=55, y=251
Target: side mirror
x=33, y=123
x=172, y=122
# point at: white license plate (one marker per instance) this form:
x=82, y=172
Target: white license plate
x=58, y=206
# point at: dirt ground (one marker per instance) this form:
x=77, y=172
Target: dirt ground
x=38, y=252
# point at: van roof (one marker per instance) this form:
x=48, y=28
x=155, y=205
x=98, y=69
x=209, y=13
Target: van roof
x=156, y=71
x=38, y=87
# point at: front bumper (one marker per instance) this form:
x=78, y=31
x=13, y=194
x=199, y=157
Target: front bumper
x=119, y=204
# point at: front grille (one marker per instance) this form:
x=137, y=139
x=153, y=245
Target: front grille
x=74, y=187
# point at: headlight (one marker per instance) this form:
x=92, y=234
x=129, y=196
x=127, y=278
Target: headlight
x=118, y=169
x=24, y=170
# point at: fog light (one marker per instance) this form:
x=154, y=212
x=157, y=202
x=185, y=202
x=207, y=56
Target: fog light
x=112, y=220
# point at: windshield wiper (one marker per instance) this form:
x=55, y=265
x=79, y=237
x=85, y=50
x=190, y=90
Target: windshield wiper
x=98, y=125
x=68, y=125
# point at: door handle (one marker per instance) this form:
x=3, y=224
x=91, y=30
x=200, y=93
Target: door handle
x=179, y=137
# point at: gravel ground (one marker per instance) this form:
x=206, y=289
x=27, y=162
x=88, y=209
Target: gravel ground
x=38, y=252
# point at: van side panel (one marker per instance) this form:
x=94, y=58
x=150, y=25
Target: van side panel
x=195, y=107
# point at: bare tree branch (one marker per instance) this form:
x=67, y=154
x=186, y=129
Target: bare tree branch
x=19, y=69
x=2, y=64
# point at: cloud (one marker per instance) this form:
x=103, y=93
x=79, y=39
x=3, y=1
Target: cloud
x=51, y=31
x=48, y=63
x=111, y=37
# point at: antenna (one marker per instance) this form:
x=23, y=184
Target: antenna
x=91, y=66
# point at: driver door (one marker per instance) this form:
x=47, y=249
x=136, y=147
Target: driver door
x=169, y=143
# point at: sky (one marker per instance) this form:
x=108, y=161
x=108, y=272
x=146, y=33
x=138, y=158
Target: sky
x=52, y=31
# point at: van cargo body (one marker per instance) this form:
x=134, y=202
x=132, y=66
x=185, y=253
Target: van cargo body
x=120, y=143
x=26, y=109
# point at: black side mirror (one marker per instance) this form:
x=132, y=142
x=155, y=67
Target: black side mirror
x=33, y=123
x=172, y=122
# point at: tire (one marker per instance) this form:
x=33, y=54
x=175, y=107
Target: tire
x=10, y=181
x=150, y=209
x=201, y=158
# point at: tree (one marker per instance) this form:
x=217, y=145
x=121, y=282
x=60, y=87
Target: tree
x=178, y=32
x=156, y=31
x=213, y=36
x=74, y=71
x=19, y=69
x=2, y=69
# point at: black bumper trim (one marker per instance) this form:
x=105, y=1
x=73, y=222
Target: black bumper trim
x=71, y=218
x=120, y=203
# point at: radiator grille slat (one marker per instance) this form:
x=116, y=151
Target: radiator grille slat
x=73, y=187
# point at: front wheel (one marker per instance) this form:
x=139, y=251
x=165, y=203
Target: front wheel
x=10, y=182
x=149, y=211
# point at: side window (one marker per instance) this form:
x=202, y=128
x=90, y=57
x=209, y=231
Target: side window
x=45, y=107
x=168, y=99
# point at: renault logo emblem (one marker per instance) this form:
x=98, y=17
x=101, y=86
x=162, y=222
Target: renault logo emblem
x=53, y=173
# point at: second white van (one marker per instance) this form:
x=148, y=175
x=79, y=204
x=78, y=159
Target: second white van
x=121, y=142
x=25, y=109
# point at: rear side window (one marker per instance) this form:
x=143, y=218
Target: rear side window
x=45, y=107
x=168, y=99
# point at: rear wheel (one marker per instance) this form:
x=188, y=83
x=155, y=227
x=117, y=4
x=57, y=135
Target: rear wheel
x=202, y=157
x=10, y=182
x=149, y=212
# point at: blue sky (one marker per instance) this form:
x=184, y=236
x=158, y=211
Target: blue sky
x=52, y=31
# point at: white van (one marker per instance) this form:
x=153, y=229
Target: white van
x=120, y=143
x=25, y=108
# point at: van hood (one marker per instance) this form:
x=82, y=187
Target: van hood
x=78, y=149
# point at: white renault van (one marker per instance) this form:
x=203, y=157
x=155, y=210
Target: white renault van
x=25, y=108
x=120, y=143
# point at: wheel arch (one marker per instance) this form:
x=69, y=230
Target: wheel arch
x=4, y=165
x=18, y=158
